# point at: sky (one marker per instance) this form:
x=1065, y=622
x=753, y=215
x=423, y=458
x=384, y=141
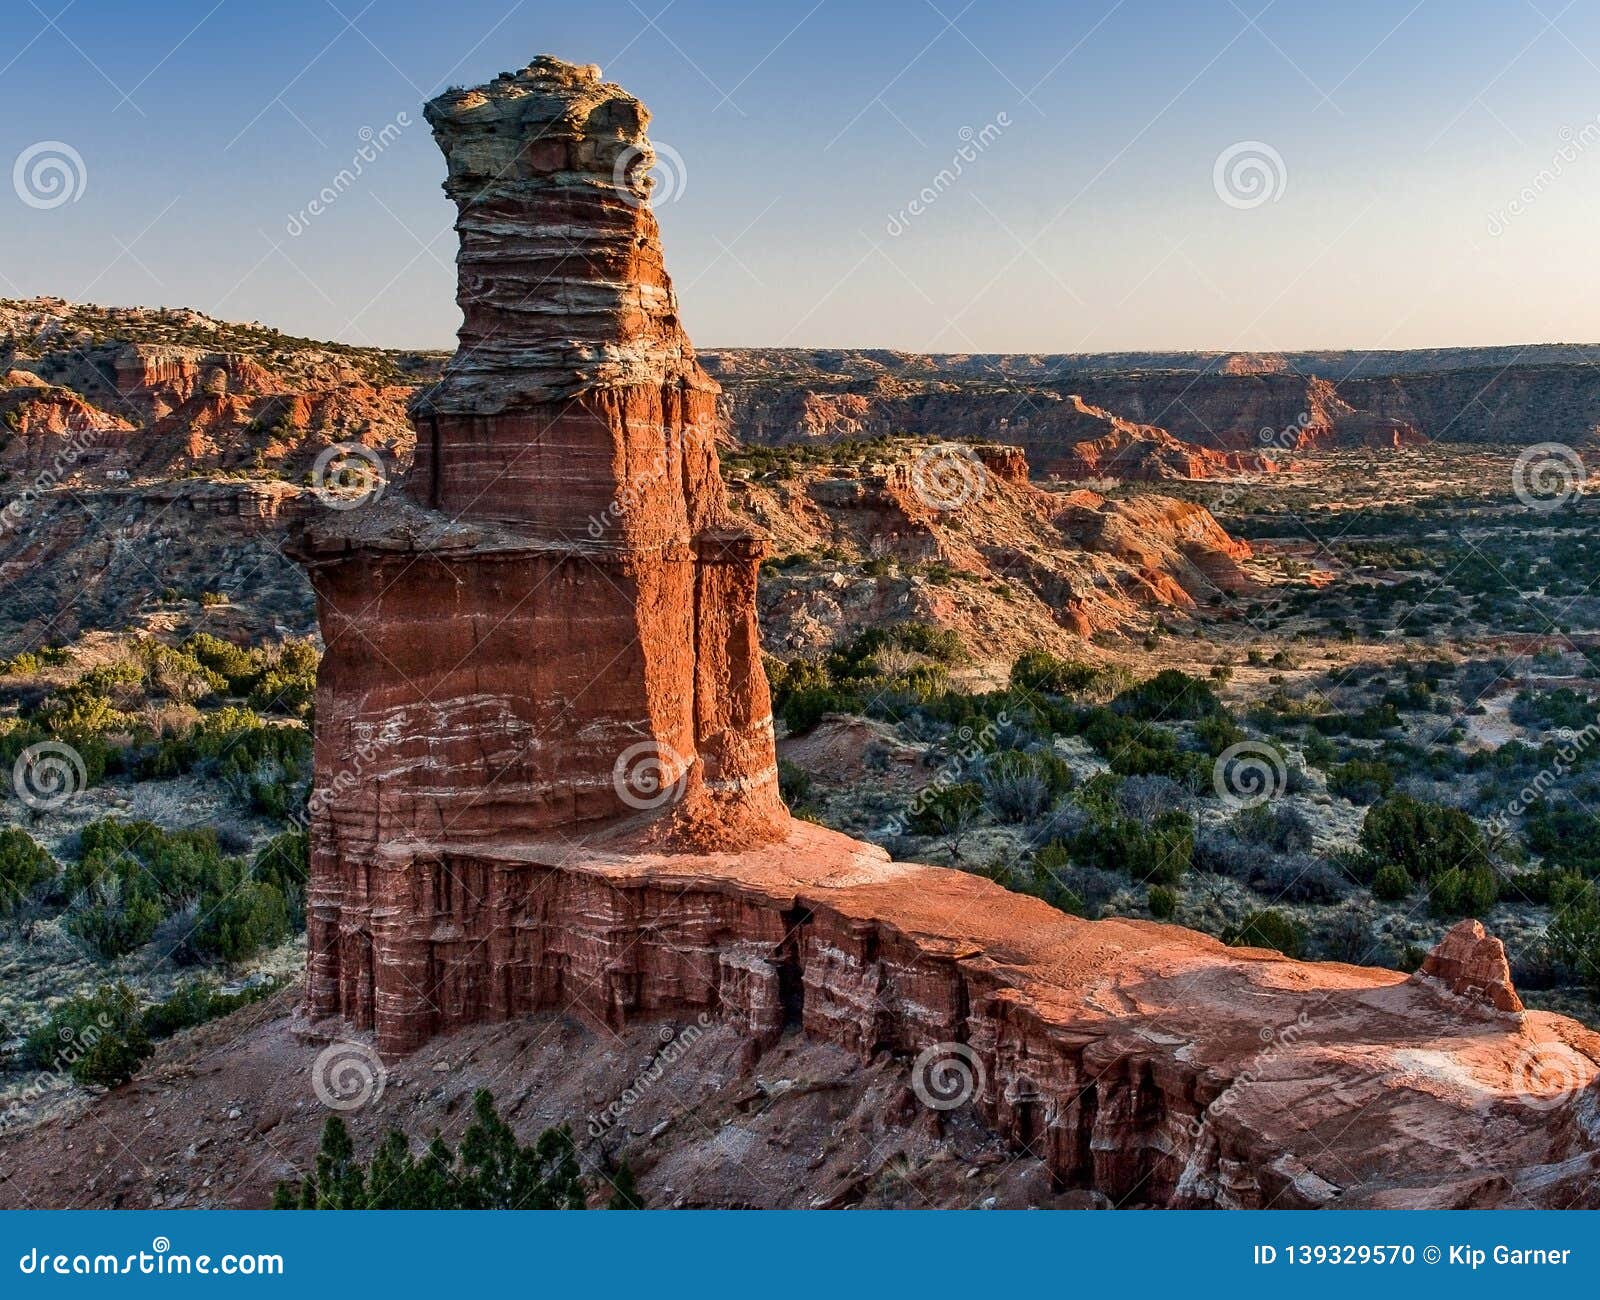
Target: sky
x=1138, y=174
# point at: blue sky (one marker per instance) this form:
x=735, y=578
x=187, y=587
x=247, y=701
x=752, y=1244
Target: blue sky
x=1414, y=194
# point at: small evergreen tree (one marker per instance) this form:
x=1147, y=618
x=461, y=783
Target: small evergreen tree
x=490, y=1171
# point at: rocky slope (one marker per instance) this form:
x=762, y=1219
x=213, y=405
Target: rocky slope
x=961, y=538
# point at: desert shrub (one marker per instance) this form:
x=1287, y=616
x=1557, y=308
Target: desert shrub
x=1221, y=853
x=1015, y=794
x=1562, y=708
x=1319, y=751
x=1163, y=902
x=948, y=811
x=113, y=918
x=1217, y=732
x=1348, y=938
x=1037, y=670
x=1138, y=749
x=24, y=867
x=237, y=918
x=1463, y=891
x=490, y=1170
x=1021, y=787
x=1279, y=826
x=1046, y=876
x=232, y=663
x=1391, y=883
x=98, y=1039
x=1299, y=878
x=1167, y=697
x=1361, y=780
x=1565, y=835
x=1156, y=852
x=1424, y=838
x=1268, y=929
x=129, y=875
x=195, y=1002
x=265, y=765
x=1574, y=933
x=1145, y=798
x=794, y=783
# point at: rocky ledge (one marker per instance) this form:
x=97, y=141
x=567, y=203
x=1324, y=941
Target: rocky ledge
x=1144, y=1062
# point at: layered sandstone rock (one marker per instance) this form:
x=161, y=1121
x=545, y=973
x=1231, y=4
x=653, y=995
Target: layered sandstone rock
x=1472, y=964
x=1143, y=1061
x=551, y=634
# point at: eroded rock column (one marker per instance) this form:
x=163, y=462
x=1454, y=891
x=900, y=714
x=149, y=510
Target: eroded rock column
x=548, y=630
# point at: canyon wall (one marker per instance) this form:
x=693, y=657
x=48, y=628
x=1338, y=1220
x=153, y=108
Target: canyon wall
x=786, y=396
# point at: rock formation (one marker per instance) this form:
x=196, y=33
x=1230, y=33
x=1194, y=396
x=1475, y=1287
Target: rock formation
x=553, y=634
x=1472, y=964
x=558, y=592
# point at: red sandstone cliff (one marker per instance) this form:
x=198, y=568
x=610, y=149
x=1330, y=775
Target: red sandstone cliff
x=558, y=623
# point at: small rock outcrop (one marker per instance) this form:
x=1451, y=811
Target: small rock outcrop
x=1472, y=964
